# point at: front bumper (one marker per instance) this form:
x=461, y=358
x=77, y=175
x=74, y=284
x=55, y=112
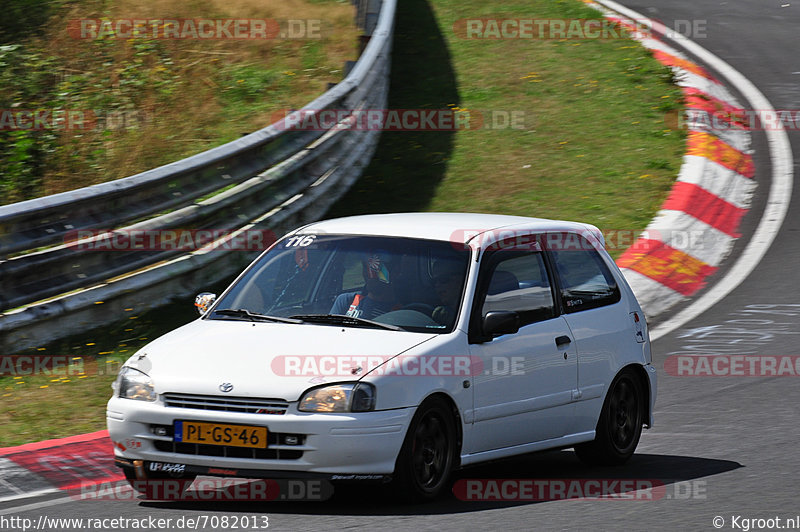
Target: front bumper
x=363, y=443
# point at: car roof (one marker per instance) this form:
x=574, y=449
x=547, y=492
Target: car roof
x=447, y=226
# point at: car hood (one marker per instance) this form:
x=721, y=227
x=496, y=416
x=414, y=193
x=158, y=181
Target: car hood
x=265, y=360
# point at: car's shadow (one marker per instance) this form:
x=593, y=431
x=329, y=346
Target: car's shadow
x=670, y=475
x=408, y=165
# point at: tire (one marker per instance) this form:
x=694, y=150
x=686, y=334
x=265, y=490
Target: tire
x=620, y=424
x=158, y=486
x=428, y=455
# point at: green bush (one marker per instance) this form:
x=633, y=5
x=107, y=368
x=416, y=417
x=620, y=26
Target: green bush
x=21, y=18
x=26, y=81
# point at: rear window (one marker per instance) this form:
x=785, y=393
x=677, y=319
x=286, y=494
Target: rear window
x=585, y=280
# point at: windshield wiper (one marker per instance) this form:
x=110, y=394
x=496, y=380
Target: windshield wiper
x=244, y=313
x=340, y=319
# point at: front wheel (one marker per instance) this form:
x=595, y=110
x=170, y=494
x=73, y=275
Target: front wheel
x=620, y=424
x=428, y=454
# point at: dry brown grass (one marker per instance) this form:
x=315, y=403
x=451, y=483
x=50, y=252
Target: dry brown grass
x=200, y=112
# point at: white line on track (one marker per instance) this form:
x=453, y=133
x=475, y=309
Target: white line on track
x=28, y=494
x=36, y=505
x=55, y=502
x=780, y=191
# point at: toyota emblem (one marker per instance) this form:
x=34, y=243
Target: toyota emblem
x=225, y=387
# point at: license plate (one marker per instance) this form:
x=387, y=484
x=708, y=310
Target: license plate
x=220, y=434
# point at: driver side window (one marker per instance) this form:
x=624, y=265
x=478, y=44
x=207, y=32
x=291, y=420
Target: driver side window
x=519, y=283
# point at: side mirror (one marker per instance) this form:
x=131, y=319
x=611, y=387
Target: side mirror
x=499, y=322
x=203, y=302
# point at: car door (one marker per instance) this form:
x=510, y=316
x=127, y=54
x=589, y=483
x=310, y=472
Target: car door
x=598, y=318
x=524, y=393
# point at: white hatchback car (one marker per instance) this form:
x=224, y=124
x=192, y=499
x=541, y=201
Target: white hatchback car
x=395, y=347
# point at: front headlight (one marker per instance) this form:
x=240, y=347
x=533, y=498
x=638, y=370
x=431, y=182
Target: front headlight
x=134, y=384
x=345, y=397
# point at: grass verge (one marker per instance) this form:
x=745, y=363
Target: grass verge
x=71, y=399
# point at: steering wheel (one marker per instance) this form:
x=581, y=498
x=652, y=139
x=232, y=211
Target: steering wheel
x=424, y=308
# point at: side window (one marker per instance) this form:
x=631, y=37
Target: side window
x=586, y=281
x=519, y=283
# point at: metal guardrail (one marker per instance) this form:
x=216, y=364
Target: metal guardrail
x=272, y=179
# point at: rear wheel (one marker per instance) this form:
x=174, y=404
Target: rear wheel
x=428, y=454
x=620, y=424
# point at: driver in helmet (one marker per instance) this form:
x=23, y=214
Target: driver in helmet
x=448, y=280
x=376, y=298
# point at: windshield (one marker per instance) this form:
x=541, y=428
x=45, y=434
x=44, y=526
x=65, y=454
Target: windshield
x=353, y=281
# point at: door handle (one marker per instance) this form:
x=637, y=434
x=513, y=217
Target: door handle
x=563, y=340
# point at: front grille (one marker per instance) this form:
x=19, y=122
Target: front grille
x=248, y=405
x=198, y=449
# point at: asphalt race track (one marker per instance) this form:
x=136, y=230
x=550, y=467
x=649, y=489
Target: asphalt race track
x=722, y=446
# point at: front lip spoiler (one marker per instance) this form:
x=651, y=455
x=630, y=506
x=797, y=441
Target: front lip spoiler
x=379, y=478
